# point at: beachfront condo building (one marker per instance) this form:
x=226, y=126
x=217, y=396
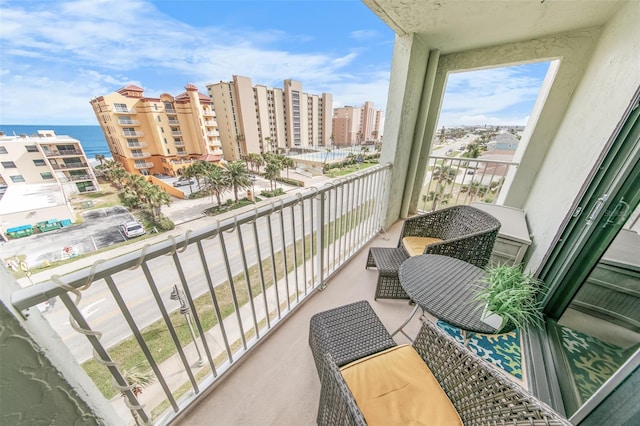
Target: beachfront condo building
x=259, y=119
x=356, y=125
x=158, y=135
x=39, y=174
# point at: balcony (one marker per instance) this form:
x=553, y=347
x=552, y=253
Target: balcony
x=76, y=178
x=176, y=133
x=265, y=373
x=140, y=155
x=170, y=110
x=173, y=122
x=208, y=113
x=145, y=165
x=178, y=143
x=137, y=145
x=128, y=122
x=182, y=153
x=124, y=110
x=213, y=133
x=209, y=123
x=66, y=166
x=62, y=153
x=130, y=134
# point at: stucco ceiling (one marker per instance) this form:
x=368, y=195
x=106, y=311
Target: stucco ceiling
x=458, y=25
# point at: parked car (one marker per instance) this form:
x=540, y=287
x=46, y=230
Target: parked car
x=132, y=229
x=184, y=182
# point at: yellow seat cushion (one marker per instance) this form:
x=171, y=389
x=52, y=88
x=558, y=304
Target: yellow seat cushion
x=415, y=245
x=395, y=387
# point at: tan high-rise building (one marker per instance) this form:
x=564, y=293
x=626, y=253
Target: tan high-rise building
x=158, y=135
x=259, y=119
x=356, y=125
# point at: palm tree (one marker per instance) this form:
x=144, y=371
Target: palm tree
x=287, y=162
x=238, y=176
x=272, y=171
x=443, y=175
x=100, y=158
x=156, y=197
x=217, y=182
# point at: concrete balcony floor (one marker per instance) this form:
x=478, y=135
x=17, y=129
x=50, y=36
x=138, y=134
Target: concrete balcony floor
x=278, y=384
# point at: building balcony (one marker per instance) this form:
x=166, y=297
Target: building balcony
x=208, y=113
x=213, y=133
x=123, y=110
x=62, y=153
x=178, y=143
x=77, y=178
x=70, y=165
x=182, y=153
x=139, y=144
x=210, y=123
x=170, y=110
x=128, y=122
x=140, y=155
x=176, y=133
x=140, y=166
x=246, y=284
x=173, y=122
x=130, y=134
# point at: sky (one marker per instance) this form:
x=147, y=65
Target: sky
x=55, y=56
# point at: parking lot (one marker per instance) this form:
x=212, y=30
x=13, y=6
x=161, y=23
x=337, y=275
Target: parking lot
x=100, y=229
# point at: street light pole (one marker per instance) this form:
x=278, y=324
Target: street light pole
x=177, y=294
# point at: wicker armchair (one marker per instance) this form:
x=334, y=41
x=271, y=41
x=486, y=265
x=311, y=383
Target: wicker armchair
x=480, y=393
x=467, y=233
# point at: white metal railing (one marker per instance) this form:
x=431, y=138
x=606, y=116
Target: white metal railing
x=455, y=181
x=234, y=281
x=128, y=122
x=145, y=165
x=128, y=133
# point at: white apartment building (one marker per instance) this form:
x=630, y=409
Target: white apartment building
x=259, y=119
x=40, y=173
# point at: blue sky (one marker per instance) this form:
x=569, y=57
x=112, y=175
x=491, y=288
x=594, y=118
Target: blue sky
x=58, y=55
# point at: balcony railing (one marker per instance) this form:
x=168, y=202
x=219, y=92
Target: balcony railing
x=213, y=133
x=169, y=110
x=137, y=145
x=76, y=178
x=128, y=122
x=181, y=153
x=140, y=155
x=176, y=133
x=455, y=181
x=124, y=110
x=132, y=134
x=210, y=123
x=69, y=166
x=178, y=143
x=234, y=280
x=173, y=122
x=143, y=165
x=62, y=152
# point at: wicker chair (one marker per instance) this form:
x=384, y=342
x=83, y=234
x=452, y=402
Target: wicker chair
x=464, y=232
x=480, y=393
x=467, y=233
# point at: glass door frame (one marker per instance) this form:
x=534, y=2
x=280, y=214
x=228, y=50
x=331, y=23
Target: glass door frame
x=609, y=196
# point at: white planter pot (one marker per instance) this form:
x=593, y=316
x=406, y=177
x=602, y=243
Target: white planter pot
x=494, y=320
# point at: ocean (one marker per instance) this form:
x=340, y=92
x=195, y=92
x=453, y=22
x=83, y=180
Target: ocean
x=91, y=137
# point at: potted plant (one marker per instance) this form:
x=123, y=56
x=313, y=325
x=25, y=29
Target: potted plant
x=511, y=296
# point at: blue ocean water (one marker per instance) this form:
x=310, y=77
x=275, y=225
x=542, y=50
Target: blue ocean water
x=91, y=137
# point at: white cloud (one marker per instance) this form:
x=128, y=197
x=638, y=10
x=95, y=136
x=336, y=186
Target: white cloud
x=73, y=51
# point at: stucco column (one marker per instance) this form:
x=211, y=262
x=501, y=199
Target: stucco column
x=408, y=68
